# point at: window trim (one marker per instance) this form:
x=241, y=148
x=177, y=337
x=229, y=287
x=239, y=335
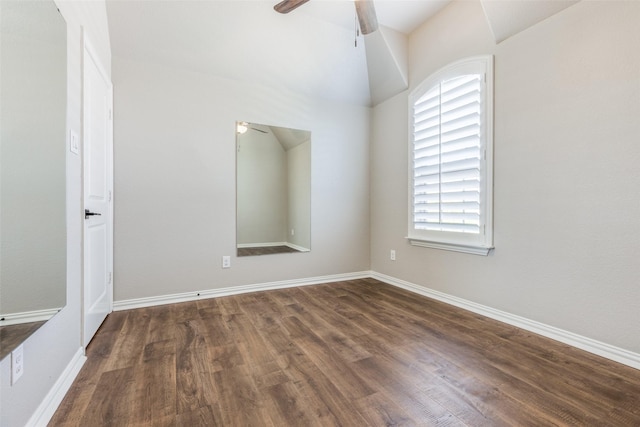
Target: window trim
x=478, y=244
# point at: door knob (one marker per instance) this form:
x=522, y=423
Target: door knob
x=88, y=213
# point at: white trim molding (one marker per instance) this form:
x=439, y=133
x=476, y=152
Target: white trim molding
x=462, y=224
x=273, y=244
x=233, y=290
x=599, y=348
x=467, y=249
x=261, y=244
x=27, y=316
x=298, y=248
x=52, y=400
x=608, y=351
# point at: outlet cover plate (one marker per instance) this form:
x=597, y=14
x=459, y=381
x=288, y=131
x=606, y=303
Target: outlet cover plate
x=17, y=363
x=226, y=261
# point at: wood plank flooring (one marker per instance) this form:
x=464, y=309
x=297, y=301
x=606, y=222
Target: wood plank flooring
x=13, y=335
x=265, y=250
x=353, y=353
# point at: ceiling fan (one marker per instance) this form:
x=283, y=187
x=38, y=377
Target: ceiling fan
x=364, y=9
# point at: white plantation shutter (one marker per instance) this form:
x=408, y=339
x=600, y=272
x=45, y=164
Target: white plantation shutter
x=447, y=156
x=449, y=180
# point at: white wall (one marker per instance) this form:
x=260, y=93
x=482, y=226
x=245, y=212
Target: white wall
x=262, y=197
x=299, y=182
x=33, y=137
x=567, y=102
x=48, y=352
x=567, y=234
x=174, y=137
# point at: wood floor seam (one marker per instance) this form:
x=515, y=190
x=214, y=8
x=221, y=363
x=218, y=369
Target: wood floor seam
x=351, y=353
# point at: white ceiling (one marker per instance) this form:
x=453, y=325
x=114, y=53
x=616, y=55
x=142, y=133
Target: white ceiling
x=310, y=51
x=401, y=15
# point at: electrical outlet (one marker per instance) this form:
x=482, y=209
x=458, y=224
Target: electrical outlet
x=293, y=232
x=392, y=255
x=17, y=364
x=226, y=261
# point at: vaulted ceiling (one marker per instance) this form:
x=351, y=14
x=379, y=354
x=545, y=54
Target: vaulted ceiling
x=312, y=51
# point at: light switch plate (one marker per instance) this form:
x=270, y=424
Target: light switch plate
x=74, y=144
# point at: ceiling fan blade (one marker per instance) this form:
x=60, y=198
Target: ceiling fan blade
x=287, y=6
x=366, y=12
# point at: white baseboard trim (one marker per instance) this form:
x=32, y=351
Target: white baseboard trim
x=608, y=351
x=273, y=244
x=261, y=244
x=52, y=400
x=298, y=248
x=234, y=290
x=616, y=354
x=27, y=316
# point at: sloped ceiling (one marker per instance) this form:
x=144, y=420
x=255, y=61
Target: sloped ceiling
x=246, y=41
x=508, y=17
x=311, y=51
x=290, y=138
x=387, y=64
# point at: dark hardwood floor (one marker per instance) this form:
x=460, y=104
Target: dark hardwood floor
x=266, y=250
x=14, y=335
x=353, y=353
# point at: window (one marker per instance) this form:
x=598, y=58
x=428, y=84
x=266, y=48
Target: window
x=451, y=153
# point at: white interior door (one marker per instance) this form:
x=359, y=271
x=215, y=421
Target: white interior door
x=98, y=185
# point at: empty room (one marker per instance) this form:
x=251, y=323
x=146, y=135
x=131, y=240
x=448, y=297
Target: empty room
x=319, y=212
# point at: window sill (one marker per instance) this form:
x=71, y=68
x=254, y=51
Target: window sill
x=467, y=249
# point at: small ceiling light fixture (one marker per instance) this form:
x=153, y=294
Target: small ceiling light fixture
x=242, y=127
